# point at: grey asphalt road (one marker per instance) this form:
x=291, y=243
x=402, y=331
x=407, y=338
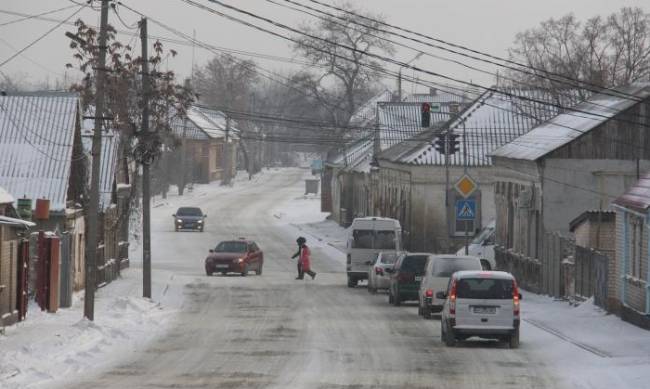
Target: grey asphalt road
x=272, y=331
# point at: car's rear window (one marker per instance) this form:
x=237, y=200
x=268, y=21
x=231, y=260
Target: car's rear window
x=389, y=258
x=231, y=247
x=445, y=267
x=189, y=211
x=484, y=288
x=385, y=240
x=414, y=264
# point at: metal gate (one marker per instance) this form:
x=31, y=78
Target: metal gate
x=591, y=275
x=22, y=291
x=67, y=271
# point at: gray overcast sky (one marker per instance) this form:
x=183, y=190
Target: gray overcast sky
x=487, y=25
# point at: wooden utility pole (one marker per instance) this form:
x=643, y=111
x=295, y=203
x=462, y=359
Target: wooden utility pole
x=93, y=206
x=225, y=179
x=145, y=138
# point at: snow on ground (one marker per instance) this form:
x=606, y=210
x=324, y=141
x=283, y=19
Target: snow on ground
x=584, y=346
x=47, y=348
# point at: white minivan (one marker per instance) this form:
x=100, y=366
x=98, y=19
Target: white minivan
x=482, y=246
x=369, y=236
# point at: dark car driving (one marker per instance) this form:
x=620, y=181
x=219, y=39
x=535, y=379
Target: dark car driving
x=235, y=256
x=405, y=277
x=189, y=218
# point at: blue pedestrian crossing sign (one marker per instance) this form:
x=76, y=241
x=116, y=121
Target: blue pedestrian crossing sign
x=466, y=209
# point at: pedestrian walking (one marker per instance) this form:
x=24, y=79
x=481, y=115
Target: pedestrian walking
x=304, y=260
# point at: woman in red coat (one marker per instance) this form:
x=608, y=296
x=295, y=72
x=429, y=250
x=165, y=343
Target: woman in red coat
x=304, y=262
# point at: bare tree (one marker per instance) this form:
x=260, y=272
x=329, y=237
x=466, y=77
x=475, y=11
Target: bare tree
x=602, y=52
x=346, y=77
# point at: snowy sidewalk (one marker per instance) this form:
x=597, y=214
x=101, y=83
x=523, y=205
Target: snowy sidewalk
x=47, y=348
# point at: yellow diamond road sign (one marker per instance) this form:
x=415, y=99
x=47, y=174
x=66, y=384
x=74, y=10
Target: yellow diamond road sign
x=466, y=186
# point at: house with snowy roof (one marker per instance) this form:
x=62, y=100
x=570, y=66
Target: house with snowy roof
x=581, y=159
x=631, y=270
x=412, y=175
x=202, y=131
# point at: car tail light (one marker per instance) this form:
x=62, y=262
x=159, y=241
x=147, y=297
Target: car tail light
x=379, y=271
x=515, y=298
x=452, y=298
x=428, y=293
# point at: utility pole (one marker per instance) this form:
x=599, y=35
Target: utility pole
x=184, y=147
x=145, y=138
x=465, y=172
x=225, y=179
x=93, y=206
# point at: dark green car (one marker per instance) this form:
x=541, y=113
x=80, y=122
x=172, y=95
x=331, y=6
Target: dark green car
x=405, y=277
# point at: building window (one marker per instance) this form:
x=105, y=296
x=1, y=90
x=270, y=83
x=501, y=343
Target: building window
x=635, y=241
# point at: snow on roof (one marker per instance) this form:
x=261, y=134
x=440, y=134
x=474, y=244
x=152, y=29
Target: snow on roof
x=366, y=114
x=355, y=156
x=109, y=162
x=6, y=197
x=437, y=96
x=16, y=222
x=638, y=196
x=400, y=121
x=202, y=123
x=492, y=120
x=36, y=145
x=564, y=128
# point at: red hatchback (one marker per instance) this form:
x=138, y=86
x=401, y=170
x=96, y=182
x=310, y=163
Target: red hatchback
x=235, y=256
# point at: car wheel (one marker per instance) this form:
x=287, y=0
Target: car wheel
x=513, y=340
x=397, y=300
x=390, y=297
x=426, y=312
x=209, y=273
x=448, y=336
x=352, y=282
x=259, y=271
x=245, y=272
x=419, y=310
x=176, y=229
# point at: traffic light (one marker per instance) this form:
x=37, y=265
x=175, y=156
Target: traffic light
x=454, y=143
x=439, y=143
x=426, y=115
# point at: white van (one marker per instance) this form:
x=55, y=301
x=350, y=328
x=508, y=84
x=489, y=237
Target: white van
x=482, y=247
x=369, y=236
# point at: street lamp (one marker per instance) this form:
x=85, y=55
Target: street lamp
x=399, y=76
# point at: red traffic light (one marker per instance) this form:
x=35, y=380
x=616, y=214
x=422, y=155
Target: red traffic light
x=426, y=107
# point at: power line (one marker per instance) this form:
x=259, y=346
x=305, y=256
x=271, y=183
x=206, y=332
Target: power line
x=24, y=18
x=363, y=52
x=575, y=82
x=48, y=32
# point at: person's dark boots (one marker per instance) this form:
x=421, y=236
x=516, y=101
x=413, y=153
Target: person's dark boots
x=313, y=276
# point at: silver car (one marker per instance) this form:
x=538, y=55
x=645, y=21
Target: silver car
x=378, y=278
x=436, y=278
x=481, y=303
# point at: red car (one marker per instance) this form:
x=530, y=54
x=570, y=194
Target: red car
x=235, y=256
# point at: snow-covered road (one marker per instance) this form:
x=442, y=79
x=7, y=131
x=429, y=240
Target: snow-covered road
x=272, y=331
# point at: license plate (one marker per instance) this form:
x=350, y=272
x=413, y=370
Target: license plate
x=485, y=310
x=222, y=266
x=418, y=278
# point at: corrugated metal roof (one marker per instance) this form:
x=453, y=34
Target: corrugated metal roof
x=399, y=122
x=109, y=161
x=367, y=113
x=566, y=127
x=202, y=123
x=438, y=97
x=353, y=154
x=36, y=139
x=638, y=196
x=491, y=121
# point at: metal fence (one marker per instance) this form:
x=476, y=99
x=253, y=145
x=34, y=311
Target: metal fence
x=543, y=275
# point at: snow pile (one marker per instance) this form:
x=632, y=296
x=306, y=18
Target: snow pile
x=47, y=348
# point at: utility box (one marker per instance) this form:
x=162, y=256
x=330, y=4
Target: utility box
x=311, y=186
